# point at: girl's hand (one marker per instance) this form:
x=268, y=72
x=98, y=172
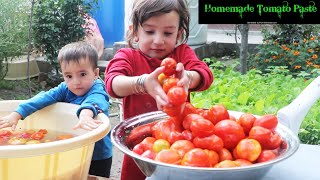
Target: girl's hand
x=155, y=89
x=183, y=76
x=10, y=120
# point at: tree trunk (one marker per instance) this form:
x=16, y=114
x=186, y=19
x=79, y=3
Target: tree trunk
x=244, y=30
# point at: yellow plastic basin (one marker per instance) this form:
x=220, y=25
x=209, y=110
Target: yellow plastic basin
x=66, y=159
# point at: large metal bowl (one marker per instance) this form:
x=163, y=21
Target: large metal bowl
x=161, y=171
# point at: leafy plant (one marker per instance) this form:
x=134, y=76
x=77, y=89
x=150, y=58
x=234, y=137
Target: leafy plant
x=295, y=47
x=13, y=31
x=259, y=94
x=57, y=23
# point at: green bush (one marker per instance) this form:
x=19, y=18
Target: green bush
x=259, y=94
x=13, y=31
x=295, y=47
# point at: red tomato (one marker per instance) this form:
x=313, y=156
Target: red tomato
x=211, y=142
x=148, y=143
x=5, y=132
x=172, y=110
x=201, y=127
x=246, y=121
x=266, y=155
x=138, y=149
x=218, y=113
x=182, y=147
x=149, y=154
x=188, y=119
x=189, y=109
x=175, y=136
x=227, y=164
x=39, y=136
x=169, y=83
x=230, y=132
x=168, y=156
x=261, y=134
x=177, y=95
x=269, y=121
x=162, y=129
x=139, y=133
x=248, y=149
x=275, y=141
x=187, y=135
x=225, y=154
x=44, y=131
x=196, y=158
x=169, y=66
x=213, y=157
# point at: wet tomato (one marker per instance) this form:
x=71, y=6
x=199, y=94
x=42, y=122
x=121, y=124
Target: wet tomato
x=246, y=121
x=275, y=141
x=177, y=95
x=225, y=154
x=138, y=149
x=218, y=113
x=211, y=142
x=243, y=162
x=169, y=83
x=261, y=134
x=182, y=147
x=189, y=109
x=163, y=128
x=266, y=155
x=149, y=154
x=248, y=149
x=139, y=133
x=187, y=135
x=196, y=157
x=269, y=121
x=188, y=119
x=5, y=132
x=201, y=127
x=168, y=156
x=148, y=143
x=159, y=145
x=169, y=66
x=227, y=164
x=161, y=78
x=213, y=157
x=175, y=136
x=230, y=132
x=64, y=136
x=172, y=110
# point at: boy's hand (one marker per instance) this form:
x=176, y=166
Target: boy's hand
x=86, y=121
x=10, y=120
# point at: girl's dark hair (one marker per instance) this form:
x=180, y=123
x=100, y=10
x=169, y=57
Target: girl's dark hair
x=77, y=51
x=145, y=9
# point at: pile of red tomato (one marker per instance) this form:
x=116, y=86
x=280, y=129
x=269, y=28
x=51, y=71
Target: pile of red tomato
x=31, y=136
x=198, y=137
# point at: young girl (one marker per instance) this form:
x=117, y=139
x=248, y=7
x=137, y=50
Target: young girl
x=160, y=29
x=81, y=86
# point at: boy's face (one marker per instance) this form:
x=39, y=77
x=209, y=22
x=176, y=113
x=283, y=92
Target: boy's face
x=79, y=77
x=158, y=35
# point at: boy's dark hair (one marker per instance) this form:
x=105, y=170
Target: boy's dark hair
x=77, y=51
x=145, y=9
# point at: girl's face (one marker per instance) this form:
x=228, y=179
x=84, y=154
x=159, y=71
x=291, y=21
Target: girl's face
x=79, y=77
x=158, y=35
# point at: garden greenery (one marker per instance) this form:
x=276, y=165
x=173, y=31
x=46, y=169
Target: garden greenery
x=295, y=47
x=14, y=18
x=259, y=94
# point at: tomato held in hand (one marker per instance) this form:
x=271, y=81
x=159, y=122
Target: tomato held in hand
x=169, y=83
x=177, y=95
x=169, y=66
x=161, y=78
x=230, y=132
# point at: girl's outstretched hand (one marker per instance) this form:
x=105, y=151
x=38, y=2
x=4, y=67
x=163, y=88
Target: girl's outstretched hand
x=155, y=89
x=10, y=120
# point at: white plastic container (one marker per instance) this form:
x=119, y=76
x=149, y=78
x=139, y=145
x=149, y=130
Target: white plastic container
x=198, y=32
x=65, y=159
